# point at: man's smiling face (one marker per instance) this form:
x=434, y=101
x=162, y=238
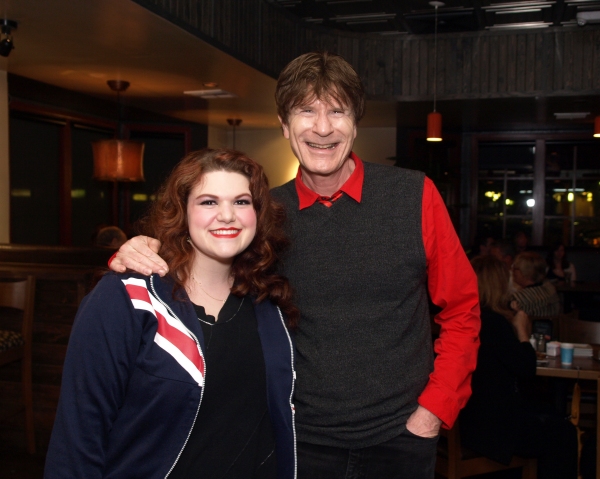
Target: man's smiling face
x=321, y=134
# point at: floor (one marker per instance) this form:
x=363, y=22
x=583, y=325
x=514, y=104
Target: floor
x=17, y=464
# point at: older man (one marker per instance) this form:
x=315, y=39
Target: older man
x=368, y=243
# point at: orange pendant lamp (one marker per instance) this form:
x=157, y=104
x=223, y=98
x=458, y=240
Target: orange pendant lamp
x=118, y=159
x=434, y=119
x=597, y=127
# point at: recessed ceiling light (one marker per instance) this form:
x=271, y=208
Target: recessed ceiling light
x=577, y=115
x=210, y=94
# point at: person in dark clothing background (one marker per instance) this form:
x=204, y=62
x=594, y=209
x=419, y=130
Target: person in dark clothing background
x=498, y=422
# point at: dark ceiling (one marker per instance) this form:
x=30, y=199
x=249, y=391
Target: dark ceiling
x=388, y=17
x=417, y=17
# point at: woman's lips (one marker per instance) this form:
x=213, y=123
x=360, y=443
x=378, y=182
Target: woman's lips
x=226, y=232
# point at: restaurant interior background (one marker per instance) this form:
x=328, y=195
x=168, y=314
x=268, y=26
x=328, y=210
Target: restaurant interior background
x=517, y=84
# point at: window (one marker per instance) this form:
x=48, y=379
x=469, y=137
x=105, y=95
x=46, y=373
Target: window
x=54, y=198
x=505, y=188
x=34, y=181
x=572, y=193
x=551, y=196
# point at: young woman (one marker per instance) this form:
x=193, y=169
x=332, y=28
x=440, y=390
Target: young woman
x=559, y=267
x=498, y=421
x=191, y=375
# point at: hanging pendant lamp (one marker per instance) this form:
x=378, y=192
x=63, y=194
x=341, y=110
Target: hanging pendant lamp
x=234, y=122
x=597, y=127
x=118, y=159
x=434, y=119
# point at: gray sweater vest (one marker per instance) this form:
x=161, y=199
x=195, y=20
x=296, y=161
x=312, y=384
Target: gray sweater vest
x=364, y=349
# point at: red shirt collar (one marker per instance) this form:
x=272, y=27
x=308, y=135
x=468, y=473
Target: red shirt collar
x=352, y=187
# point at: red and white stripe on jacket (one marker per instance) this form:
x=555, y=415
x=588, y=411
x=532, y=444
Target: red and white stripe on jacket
x=171, y=335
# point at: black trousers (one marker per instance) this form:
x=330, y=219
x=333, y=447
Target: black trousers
x=404, y=457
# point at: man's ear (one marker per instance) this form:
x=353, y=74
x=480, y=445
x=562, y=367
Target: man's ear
x=284, y=128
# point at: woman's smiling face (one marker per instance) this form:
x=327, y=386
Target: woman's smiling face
x=221, y=217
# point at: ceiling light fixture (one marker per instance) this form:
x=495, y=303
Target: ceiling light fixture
x=118, y=159
x=6, y=44
x=586, y=17
x=434, y=119
x=234, y=122
x=210, y=94
x=572, y=115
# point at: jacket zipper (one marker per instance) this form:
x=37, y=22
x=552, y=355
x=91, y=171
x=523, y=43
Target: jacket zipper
x=201, y=354
x=292, y=408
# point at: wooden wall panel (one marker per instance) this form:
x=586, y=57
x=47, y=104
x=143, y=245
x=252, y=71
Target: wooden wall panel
x=475, y=67
x=485, y=64
x=519, y=58
x=587, y=65
x=404, y=89
x=494, y=65
x=413, y=65
x=449, y=74
x=444, y=61
x=467, y=65
x=424, y=66
x=557, y=69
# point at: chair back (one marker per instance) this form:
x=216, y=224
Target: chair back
x=20, y=294
x=574, y=330
x=454, y=461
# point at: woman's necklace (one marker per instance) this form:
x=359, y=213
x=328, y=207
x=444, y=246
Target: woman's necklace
x=206, y=292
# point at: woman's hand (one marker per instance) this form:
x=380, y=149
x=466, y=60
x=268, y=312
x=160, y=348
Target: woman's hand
x=139, y=254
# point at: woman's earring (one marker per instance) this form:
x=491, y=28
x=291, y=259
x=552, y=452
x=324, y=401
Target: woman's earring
x=189, y=240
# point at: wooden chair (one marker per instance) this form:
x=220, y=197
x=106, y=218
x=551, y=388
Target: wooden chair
x=574, y=418
x=574, y=330
x=454, y=461
x=15, y=346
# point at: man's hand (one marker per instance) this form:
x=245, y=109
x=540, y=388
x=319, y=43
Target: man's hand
x=139, y=255
x=423, y=423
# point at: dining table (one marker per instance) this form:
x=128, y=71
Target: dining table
x=581, y=368
x=578, y=287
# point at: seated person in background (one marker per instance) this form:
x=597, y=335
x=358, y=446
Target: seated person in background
x=505, y=251
x=497, y=422
x=110, y=237
x=483, y=245
x=521, y=242
x=135, y=400
x=534, y=295
x=558, y=266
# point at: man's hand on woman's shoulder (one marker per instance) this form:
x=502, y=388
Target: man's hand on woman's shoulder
x=139, y=254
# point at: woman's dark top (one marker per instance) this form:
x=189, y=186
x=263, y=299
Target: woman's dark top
x=490, y=420
x=232, y=436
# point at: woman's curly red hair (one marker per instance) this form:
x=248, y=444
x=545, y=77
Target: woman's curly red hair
x=254, y=270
